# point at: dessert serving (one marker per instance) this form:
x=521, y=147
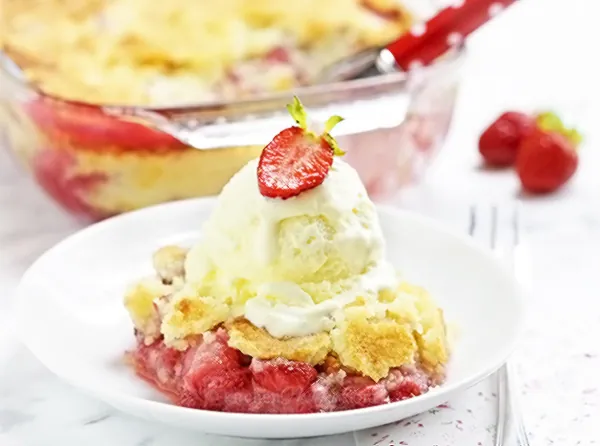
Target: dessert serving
x=287, y=303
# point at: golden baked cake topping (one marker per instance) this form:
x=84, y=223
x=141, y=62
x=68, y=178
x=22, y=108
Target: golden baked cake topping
x=160, y=53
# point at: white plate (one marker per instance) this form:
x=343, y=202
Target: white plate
x=70, y=315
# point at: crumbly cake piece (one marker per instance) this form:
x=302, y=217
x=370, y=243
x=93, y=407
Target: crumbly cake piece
x=431, y=334
x=186, y=315
x=407, y=327
x=141, y=303
x=169, y=262
x=370, y=345
x=258, y=343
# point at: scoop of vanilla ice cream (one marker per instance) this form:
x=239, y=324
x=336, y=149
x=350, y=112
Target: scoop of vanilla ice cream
x=328, y=233
x=261, y=253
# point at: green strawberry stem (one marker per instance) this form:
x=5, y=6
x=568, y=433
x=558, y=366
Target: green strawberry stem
x=551, y=122
x=297, y=111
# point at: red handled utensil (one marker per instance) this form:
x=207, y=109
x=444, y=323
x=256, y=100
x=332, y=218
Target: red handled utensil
x=448, y=29
x=425, y=42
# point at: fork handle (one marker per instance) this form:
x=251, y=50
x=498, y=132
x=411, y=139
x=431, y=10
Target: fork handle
x=509, y=422
x=502, y=407
x=514, y=407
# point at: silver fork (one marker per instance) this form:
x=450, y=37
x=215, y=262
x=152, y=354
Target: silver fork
x=484, y=223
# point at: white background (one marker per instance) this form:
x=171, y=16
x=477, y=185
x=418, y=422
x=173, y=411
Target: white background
x=540, y=54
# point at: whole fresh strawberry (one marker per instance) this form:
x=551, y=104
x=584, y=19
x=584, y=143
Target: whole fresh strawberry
x=499, y=143
x=297, y=159
x=547, y=156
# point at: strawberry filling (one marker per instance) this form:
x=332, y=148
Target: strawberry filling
x=53, y=169
x=211, y=375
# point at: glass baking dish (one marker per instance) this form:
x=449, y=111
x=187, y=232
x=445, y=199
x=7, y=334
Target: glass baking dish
x=98, y=161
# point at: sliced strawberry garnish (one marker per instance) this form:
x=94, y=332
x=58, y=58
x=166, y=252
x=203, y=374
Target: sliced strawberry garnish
x=283, y=376
x=297, y=159
x=292, y=163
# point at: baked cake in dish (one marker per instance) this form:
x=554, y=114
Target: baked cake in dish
x=287, y=303
x=140, y=52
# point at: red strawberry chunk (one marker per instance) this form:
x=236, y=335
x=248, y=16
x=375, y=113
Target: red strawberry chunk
x=167, y=365
x=210, y=375
x=191, y=400
x=278, y=54
x=159, y=364
x=406, y=382
x=266, y=401
x=358, y=391
x=283, y=376
x=55, y=170
x=405, y=390
x=239, y=401
x=294, y=161
x=326, y=391
x=211, y=372
x=282, y=386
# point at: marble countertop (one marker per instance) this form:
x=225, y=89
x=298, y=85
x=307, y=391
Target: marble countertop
x=558, y=360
